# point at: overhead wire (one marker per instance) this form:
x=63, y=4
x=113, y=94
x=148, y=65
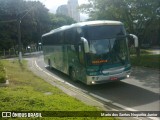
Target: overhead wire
x=27, y=11
x=9, y=21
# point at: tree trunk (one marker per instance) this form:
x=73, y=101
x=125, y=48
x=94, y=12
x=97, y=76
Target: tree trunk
x=138, y=52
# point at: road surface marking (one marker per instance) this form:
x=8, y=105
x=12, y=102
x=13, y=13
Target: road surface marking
x=94, y=95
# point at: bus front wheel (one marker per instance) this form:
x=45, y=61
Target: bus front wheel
x=49, y=63
x=72, y=74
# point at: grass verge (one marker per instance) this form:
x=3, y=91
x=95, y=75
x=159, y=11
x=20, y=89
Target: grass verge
x=2, y=73
x=146, y=60
x=27, y=92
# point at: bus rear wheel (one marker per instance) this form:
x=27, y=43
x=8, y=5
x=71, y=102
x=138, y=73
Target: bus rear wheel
x=49, y=63
x=73, y=74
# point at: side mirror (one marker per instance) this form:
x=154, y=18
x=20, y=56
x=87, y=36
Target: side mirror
x=135, y=39
x=86, y=45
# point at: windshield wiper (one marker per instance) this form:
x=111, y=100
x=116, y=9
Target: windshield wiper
x=120, y=36
x=122, y=61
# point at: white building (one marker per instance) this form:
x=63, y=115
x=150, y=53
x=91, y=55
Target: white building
x=72, y=9
x=63, y=9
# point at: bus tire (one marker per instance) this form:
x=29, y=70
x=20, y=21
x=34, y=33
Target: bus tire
x=72, y=74
x=49, y=63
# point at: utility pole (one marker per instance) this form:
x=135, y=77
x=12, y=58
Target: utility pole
x=19, y=41
x=19, y=33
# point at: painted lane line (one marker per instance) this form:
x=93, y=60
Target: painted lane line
x=48, y=73
x=57, y=78
x=93, y=95
x=68, y=84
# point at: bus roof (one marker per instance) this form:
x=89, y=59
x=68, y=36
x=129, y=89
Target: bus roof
x=87, y=23
x=98, y=22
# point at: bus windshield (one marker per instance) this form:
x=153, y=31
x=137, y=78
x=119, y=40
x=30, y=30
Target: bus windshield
x=107, y=45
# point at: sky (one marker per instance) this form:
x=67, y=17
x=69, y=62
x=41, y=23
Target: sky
x=52, y=5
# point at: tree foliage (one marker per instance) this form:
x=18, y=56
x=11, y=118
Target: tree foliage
x=141, y=17
x=59, y=20
x=34, y=19
x=31, y=14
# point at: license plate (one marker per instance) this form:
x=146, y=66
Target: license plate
x=113, y=78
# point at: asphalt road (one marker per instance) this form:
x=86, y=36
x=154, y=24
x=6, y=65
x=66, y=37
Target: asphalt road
x=138, y=93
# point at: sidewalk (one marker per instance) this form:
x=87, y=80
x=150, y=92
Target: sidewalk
x=147, y=78
x=155, y=50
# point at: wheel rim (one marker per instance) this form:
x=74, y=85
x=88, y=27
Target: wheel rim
x=73, y=75
x=49, y=63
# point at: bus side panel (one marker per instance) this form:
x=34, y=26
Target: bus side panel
x=74, y=62
x=59, y=58
x=47, y=52
x=56, y=58
x=65, y=59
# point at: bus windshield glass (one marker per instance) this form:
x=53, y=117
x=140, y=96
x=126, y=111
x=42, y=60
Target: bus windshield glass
x=107, y=45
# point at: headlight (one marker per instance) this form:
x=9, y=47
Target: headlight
x=93, y=73
x=127, y=76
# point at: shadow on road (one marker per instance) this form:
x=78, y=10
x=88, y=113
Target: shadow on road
x=150, y=78
x=125, y=94
x=119, y=92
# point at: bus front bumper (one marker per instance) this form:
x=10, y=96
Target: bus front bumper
x=91, y=80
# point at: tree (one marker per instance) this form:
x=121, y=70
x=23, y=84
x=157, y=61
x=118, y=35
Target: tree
x=34, y=19
x=141, y=17
x=59, y=20
x=37, y=22
x=8, y=31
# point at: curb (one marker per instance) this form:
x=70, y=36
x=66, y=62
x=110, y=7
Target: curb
x=4, y=84
x=145, y=68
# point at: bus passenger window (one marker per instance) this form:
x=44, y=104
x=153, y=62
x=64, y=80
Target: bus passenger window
x=81, y=55
x=80, y=49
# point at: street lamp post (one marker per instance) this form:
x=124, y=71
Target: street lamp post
x=19, y=33
x=19, y=40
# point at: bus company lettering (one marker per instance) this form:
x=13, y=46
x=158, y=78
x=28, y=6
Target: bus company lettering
x=124, y=115
x=152, y=115
x=99, y=61
x=19, y=115
x=24, y=115
x=138, y=114
x=34, y=115
x=106, y=114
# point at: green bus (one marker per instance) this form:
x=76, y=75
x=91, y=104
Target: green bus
x=93, y=52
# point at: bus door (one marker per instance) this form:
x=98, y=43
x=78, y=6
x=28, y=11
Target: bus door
x=65, y=59
x=82, y=63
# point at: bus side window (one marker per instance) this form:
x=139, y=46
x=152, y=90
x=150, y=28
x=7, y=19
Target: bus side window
x=67, y=37
x=80, y=49
x=61, y=39
x=80, y=46
x=81, y=54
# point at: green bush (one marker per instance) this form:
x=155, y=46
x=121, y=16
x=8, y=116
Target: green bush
x=132, y=50
x=2, y=73
x=146, y=60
